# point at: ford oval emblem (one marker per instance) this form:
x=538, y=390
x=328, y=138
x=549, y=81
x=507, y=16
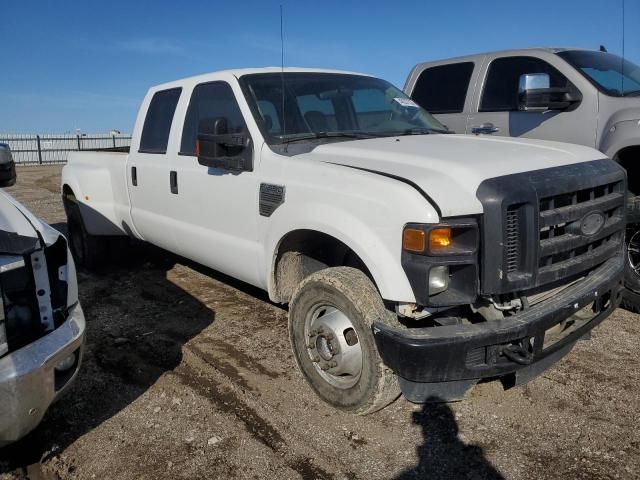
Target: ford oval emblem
x=592, y=223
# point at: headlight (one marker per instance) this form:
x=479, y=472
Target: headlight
x=438, y=279
x=441, y=261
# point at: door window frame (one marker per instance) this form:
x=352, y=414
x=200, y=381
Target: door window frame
x=186, y=115
x=141, y=149
x=468, y=91
x=477, y=101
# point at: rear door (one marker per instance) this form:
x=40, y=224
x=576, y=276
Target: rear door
x=443, y=90
x=496, y=103
x=148, y=171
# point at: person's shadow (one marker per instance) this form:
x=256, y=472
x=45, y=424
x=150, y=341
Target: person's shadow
x=443, y=455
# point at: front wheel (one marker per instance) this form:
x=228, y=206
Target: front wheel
x=330, y=318
x=631, y=294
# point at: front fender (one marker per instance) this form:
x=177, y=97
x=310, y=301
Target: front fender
x=369, y=222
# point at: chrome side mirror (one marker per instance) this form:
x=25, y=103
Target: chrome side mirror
x=535, y=94
x=533, y=81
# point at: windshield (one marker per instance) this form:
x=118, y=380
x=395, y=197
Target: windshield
x=612, y=75
x=329, y=105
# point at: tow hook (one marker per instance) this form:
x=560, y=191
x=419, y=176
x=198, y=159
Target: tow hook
x=521, y=352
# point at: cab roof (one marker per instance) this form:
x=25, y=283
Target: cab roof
x=515, y=52
x=239, y=72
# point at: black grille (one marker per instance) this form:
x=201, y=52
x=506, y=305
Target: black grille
x=563, y=243
x=550, y=225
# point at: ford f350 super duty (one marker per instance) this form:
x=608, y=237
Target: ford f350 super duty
x=586, y=97
x=42, y=326
x=411, y=259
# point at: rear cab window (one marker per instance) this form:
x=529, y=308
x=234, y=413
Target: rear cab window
x=443, y=88
x=157, y=124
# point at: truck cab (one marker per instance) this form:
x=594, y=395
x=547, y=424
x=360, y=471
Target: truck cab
x=584, y=97
x=412, y=260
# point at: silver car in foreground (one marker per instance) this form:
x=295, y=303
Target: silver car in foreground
x=42, y=326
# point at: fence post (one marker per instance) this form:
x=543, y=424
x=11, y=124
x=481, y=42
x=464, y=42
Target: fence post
x=39, y=149
x=78, y=138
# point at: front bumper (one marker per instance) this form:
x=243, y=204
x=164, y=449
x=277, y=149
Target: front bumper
x=29, y=383
x=445, y=361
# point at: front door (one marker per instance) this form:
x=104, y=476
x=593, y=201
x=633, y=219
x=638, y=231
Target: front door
x=497, y=106
x=215, y=210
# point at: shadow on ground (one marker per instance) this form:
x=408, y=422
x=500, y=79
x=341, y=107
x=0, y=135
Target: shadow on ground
x=137, y=324
x=442, y=454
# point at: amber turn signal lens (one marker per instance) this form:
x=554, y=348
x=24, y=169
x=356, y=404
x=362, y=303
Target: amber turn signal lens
x=439, y=239
x=413, y=240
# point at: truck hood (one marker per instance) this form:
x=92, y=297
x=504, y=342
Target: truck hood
x=449, y=168
x=21, y=233
x=19, y=228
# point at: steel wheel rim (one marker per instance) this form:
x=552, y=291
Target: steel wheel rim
x=333, y=346
x=633, y=252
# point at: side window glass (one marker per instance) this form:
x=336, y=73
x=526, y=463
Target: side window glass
x=443, y=89
x=500, y=92
x=157, y=124
x=210, y=101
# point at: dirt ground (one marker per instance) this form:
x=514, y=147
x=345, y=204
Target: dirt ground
x=189, y=374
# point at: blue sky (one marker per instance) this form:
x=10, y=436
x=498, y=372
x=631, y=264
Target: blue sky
x=69, y=64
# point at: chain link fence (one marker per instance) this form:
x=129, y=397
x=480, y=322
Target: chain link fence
x=48, y=149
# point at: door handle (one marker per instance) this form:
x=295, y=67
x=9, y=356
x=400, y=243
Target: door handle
x=134, y=176
x=487, y=127
x=173, y=181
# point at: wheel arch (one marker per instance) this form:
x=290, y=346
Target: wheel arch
x=629, y=158
x=305, y=250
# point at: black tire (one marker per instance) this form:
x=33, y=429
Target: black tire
x=631, y=293
x=89, y=251
x=352, y=294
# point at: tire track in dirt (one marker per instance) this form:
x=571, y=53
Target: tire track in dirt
x=227, y=401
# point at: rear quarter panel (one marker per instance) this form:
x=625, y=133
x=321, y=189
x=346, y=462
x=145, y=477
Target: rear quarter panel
x=98, y=181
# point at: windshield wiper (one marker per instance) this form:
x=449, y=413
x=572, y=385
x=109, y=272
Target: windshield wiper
x=316, y=135
x=419, y=131
x=632, y=93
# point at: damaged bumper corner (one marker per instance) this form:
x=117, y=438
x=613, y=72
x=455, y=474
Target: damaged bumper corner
x=29, y=380
x=441, y=363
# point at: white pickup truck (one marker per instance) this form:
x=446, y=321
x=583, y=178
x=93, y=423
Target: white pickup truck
x=412, y=259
